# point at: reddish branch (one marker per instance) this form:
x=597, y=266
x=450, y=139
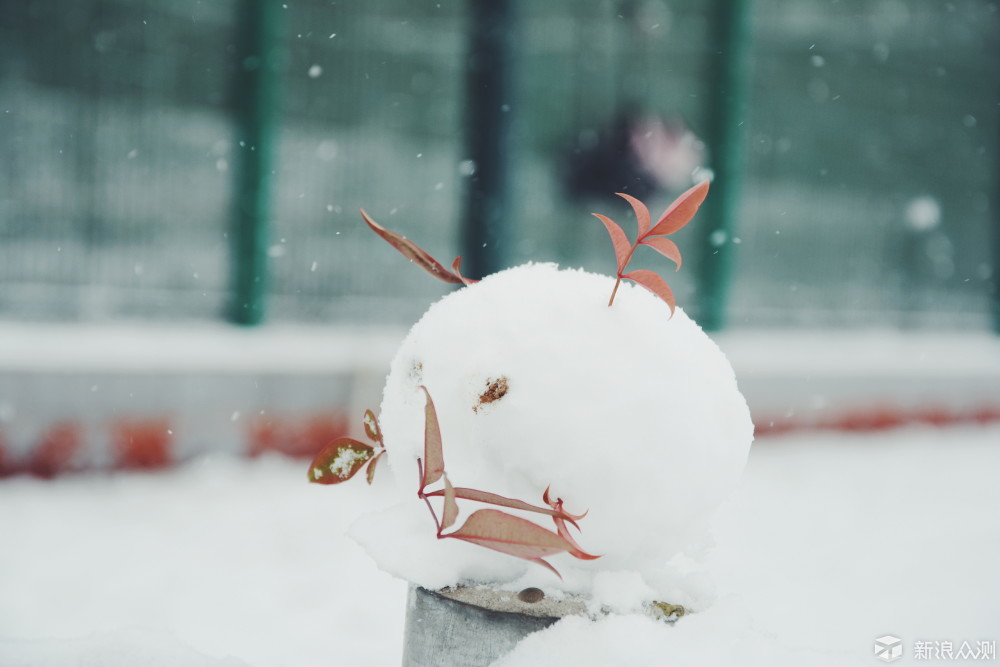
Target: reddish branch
x=490, y=528
x=677, y=215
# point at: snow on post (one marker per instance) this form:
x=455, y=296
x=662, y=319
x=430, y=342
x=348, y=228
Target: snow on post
x=602, y=434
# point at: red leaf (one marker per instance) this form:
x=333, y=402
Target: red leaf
x=618, y=239
x=339, y=461
x=413, y=252
x=681, y=211
x=654, y=284
x=665, y=247
x=576, y=551
x=546, y=565
x=558, y=505
x=372, y=429
x=494, y=499
x=511, y=535
x=450, y=506
x=433, y=456
x=456, y=266
x=371, y=467
x=641, y=212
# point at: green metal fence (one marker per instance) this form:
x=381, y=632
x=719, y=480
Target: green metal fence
x=869, y=171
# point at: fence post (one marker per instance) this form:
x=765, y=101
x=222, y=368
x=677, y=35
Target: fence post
x=256, y=106
x=995, y=244
x=729, y=51
x=488, y=120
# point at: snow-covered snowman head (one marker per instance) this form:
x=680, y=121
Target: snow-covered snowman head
x=626, y=411
x=630, y=413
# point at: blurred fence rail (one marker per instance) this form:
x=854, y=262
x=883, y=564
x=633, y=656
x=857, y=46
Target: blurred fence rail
x=870, y=142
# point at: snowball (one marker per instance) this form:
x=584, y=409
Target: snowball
x=923, y=213
x=627, y=412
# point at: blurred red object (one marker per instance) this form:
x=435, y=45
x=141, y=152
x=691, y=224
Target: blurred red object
x=142, y=444
x=302, y=437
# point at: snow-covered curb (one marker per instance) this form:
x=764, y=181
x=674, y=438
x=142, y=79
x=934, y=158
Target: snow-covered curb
x=195, y=348
x=865, y=379
x=209, y=380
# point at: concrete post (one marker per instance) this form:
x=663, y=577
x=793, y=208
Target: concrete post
x=474, y=627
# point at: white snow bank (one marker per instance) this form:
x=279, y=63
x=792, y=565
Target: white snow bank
x=121, y=647
x=790, y=377
x=726, y=635
x=831, y=541
x=229, y=557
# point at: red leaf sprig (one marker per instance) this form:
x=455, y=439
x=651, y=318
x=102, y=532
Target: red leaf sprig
x=418, y=255
x=677, y=215
x=344, y=457
x=489, y=528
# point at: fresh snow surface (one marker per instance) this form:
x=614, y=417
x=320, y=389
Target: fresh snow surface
x=629, y=414
x=202, y=347
x=194, y=347
x=830, y=542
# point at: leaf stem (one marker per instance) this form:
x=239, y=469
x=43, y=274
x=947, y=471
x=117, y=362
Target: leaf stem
x=614, y=291
x=624, y=266
x=421, y=494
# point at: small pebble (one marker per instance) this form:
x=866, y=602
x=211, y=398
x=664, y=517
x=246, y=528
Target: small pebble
x=531, y=595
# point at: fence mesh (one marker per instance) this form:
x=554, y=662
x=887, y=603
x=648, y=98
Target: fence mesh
x=869, y=192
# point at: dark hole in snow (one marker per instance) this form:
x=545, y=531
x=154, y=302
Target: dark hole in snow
x=417, y=372
x=495, y=390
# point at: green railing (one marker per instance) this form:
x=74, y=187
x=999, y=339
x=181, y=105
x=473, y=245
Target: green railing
x=856, y=180
x=258, y=57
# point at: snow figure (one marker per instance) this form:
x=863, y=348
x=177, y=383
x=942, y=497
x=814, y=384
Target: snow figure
x=623, y=418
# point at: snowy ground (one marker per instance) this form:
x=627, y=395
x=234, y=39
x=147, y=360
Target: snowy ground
x=832, y=541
